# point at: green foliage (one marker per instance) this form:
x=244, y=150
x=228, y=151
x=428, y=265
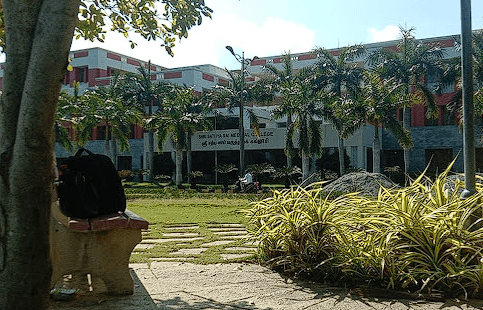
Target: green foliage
x=421, y=238
x=381, y=99
x=67, y=113
x=409, y=65
x=142, y=17
x=287, y=174
x=105, y=105
x=225, y=169
x=180, y=116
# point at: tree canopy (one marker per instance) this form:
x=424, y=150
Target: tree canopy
x=152, y=19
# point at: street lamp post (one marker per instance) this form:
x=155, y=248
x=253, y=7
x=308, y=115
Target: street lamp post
x=468, y=108
x=244, y=62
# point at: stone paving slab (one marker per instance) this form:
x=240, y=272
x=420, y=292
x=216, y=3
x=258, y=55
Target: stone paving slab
x=240, y=248
x=194, y=251
x=180, y=234
x=182, y=227
x=232, y=256
x=144, y=246
x=229, y=233
x=225, y=229
x=186, y=286
x=226, y=225
x=172, y=259
x=170, y=240
x=233, y=237
x=215, y=243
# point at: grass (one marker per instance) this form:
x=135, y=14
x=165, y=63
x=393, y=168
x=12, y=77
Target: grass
x=165, y=212
x=168, y=214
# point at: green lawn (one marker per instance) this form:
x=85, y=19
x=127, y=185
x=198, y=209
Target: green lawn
x=204, y=211
x=170, y=211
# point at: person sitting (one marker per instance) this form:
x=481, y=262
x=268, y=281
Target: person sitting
x=246, y=180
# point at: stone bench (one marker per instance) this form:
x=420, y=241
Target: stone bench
x=100, y=247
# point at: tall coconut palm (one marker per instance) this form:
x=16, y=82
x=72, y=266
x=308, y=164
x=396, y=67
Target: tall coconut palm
x=409, y=65
x=105, y=106
x=306, y=106
x=141, y=91
x=235, y=95
x=285, y=77
x=381, y=99
x=341, y=76
x=182, y=114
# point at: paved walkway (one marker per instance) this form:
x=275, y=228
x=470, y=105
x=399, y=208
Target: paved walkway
x=172, y=282
x=176, y=285
x=191, y=243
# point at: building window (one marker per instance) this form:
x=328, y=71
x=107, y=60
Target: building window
x=82, y=75
x=124, y=162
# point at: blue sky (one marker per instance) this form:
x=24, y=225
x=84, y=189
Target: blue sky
x=271, y=27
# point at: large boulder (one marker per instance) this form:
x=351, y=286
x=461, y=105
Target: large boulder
x=364, y=182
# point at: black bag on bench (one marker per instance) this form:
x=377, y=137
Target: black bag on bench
x=89, y=186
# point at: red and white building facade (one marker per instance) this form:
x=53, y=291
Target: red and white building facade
x=439, y=140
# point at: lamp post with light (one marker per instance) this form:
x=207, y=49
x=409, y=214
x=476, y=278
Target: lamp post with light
x=244, y=62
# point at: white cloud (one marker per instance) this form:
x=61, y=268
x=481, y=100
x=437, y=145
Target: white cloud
x=206, y=43
x=389, y=33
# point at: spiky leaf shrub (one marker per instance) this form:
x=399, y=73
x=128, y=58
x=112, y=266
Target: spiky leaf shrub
x=420, y=238
x=294, y=227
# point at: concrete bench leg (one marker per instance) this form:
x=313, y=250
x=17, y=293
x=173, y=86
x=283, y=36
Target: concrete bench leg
x=67, y=250
x=109, y=258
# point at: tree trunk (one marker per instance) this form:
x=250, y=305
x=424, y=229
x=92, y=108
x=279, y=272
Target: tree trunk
x=114, y=151
x=406, y=125
x=151, y=155
x=188, y=160
x=341, y=156
x=39, y=35
x=107, y=148
x=305, y=166
x=376, y=152
x=179, y=166
x=287, y=124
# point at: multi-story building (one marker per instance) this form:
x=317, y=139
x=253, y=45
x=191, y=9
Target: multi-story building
x=436, y=141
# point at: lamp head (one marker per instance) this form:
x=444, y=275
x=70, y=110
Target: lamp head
x=228, y=47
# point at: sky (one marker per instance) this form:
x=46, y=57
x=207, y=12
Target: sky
x=271, y=27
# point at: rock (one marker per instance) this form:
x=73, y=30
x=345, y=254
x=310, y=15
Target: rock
x=364, y=182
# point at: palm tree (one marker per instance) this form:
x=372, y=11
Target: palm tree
x=67, y=113
x=381, y=99
x=409, y=65
x=259, y=170
x=235, y=95
x=105, y=106
x=181, y=116
x=224, y=170
x=341, y=77
x=285, y=78
x=306, y=106
x=287, y=174
x=141, y=91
